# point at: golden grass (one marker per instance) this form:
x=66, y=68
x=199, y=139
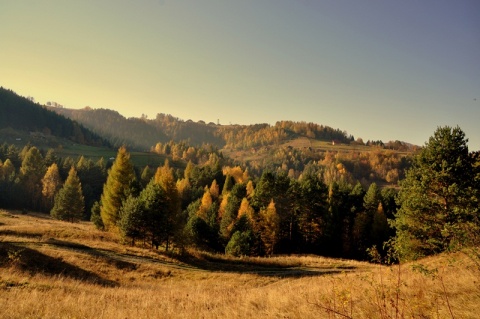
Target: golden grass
x=52, y=269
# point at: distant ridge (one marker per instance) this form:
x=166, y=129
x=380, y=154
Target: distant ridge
x=143, y=133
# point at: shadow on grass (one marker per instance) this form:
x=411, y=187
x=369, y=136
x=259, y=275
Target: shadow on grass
x=33, y=261
x=262, y=268
x=110, y=258
x=31, y=235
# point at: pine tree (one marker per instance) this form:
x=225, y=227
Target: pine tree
x=116, y=189
x=131, y=223
x=69, y=202
x=439, y=198
x=372, y=198
x=146, y=176
x=31, y=173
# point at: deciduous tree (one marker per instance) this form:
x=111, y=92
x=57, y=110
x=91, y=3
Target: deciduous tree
x=115, y=190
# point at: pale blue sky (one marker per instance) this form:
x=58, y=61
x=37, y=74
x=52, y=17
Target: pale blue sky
x=377, y=69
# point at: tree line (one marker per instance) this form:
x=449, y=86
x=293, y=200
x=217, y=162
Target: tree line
x=216, y=206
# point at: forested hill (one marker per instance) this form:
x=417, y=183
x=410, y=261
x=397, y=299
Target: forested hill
x=143, y=133
x=21, y=114
x=133, y=132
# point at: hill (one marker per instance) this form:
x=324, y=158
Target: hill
x=54, y=269
x=145, y=133
x=22, y=115
x=118, y=130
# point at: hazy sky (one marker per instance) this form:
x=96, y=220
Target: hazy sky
x=375, y=68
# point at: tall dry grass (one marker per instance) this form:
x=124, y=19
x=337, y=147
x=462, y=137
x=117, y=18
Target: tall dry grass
x=139, y=283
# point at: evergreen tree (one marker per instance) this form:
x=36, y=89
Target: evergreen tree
x=155, y=219
x=227, y=187
x=95, y=217
x=372, y=198
x=132, y=219
x=69, y=202
x=116, y=188
x=31, y=173
x=439, y=198
x=50, y=157
x=147, y=175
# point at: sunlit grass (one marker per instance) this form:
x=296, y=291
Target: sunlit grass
x=53, y=269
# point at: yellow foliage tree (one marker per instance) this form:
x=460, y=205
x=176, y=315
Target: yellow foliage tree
x=51, y=183
x=270, y=227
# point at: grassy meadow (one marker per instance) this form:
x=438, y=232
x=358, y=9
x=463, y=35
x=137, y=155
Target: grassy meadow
x=55, y=269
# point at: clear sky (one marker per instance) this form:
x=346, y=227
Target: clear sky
x=378, y=69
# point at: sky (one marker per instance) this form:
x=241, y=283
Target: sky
x=380, y=70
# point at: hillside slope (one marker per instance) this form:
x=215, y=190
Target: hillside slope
x=144, y=133
x=20, y=114
x=132, y=132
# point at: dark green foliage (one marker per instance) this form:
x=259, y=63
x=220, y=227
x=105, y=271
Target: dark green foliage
x=31, y=173
x=93, y=177
x=231, y=210
x=22, y=114
x=69, y=202
x=146, y=176
x=95, y=216
x=439, y=197
x=264, y=191
x=155, y=217
x=132, y=223
x=372, y=198
x=201, y=234
x=240, y=244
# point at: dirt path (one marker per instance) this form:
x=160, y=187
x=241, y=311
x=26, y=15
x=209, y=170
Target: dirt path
x=125, y=260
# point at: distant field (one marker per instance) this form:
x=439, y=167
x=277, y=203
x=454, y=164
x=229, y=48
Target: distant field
x=139, y=159
x=259, y=153
x=54, y=269
x=65, y=148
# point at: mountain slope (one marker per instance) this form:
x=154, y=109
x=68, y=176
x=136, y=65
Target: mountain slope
x=21, y=114
x=118, y=130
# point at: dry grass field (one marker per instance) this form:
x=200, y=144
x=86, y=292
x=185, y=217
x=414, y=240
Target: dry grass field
x=54, y=269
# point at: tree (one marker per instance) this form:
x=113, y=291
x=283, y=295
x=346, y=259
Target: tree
x=240, y=244
x=132, y=219
x=115, y=190
x=205, y=204
x=438, y=198
x=31, y=173
x=270, y=227
x=95, y=217
x=155, y=215
x=51, y=184
x=69, y=202
x=164, y=178
x=372, y=199
x=147, y=175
